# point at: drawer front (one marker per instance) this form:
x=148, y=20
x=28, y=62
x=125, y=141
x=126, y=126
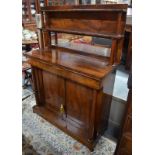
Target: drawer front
x=70, y=75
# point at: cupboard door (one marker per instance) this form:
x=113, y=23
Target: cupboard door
x=78, y=108
x=54, y=89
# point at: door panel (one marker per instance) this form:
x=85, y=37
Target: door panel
x=54, y=89
x=78, y=106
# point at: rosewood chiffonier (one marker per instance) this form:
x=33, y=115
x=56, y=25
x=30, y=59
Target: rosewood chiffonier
x=73, y=88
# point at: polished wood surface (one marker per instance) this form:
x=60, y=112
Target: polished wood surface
x=95, y=20
x=55, y=95
x=106, y=21
x=86, y=110
x=74, y=87
x=109, y=7
x=86, y=65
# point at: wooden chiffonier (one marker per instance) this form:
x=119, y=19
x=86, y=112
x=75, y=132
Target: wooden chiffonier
x=74, y=88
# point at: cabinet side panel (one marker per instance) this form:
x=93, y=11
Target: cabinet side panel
x=104, y=100
x=38, y=85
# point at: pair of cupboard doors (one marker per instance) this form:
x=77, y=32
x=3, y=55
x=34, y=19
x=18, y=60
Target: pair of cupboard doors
x=80, y=111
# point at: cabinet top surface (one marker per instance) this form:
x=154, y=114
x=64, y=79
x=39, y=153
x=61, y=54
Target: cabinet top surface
x=76, y=62
x=114, y=7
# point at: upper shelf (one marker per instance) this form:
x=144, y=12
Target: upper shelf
x=95, y=20
x=107, y=7
x=103, y=35
x=79, y=10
